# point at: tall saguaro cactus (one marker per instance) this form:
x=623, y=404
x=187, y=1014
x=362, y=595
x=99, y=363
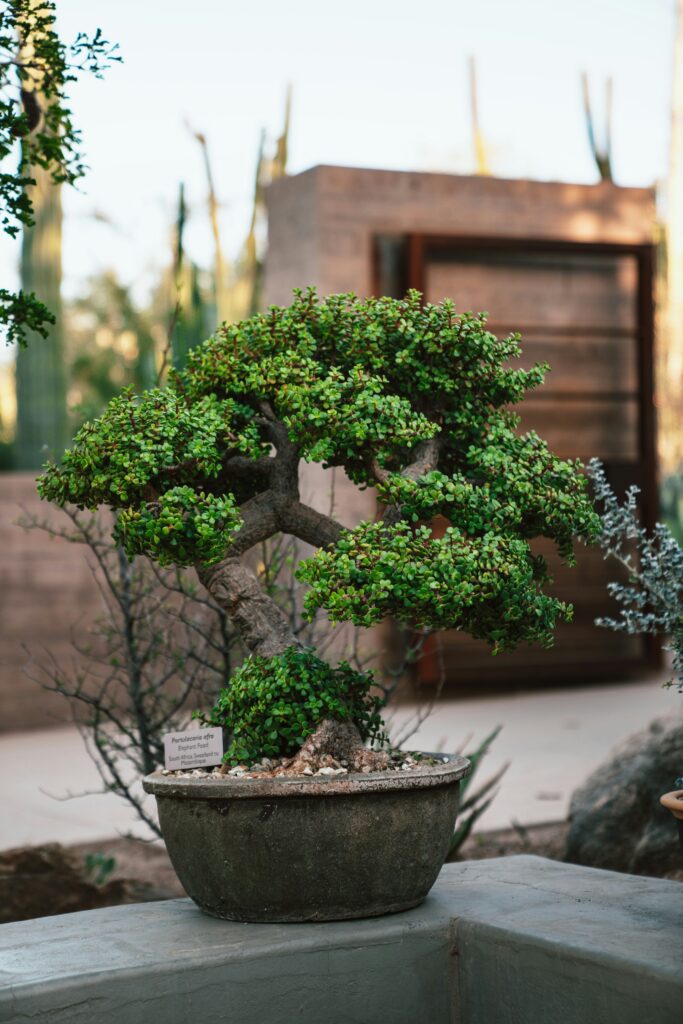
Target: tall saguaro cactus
x=42, y=419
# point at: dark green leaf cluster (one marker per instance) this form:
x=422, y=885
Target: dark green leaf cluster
x=363, y=380
x=488, y=585
x=337, y=416
x=518, y=488
x=543, y=496
x=141, y=450
x=183, y=527
x=36, y=68
x=274, y=704
x=22, y=311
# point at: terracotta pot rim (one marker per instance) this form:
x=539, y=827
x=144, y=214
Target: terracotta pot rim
x=229, y=787
x=673, y=802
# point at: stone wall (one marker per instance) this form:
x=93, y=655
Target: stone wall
x=321, y=223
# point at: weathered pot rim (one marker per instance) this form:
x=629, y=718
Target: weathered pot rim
x=228, y=787
x=673, y=802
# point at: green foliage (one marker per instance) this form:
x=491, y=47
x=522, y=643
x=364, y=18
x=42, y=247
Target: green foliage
x=36, y=68
x=652, y=599
x=134, y=457
x=339, y=415
x=360, y=384
x=139, y=448
x=273, y=704
x=99, y=867
x=21, y=312
x=182, y=527
x=380, y=373
x=489, y=584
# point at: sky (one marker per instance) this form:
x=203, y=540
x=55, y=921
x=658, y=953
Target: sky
x=376, y=83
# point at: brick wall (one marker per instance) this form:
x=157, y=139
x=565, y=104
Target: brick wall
x=47, y=594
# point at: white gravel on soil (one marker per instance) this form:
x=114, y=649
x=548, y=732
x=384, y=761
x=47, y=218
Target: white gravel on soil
x=401, y=762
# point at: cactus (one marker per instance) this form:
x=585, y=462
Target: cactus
x=238, y=289
x=42, y=420
x=189, y=327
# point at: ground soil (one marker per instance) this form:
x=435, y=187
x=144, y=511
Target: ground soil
x=540, y=840
x=145, y=862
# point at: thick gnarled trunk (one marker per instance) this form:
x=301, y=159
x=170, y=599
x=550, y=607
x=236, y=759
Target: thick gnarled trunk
x=262, y=625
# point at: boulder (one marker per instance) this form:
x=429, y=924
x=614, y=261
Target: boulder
x=616, y=820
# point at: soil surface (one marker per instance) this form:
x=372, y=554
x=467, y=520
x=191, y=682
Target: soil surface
x=335, y=748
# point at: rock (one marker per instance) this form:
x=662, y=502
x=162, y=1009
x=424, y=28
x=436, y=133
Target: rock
x=38, y=881
x=616, y=820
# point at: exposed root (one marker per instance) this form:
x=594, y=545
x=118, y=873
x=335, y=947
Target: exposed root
x=335, y=745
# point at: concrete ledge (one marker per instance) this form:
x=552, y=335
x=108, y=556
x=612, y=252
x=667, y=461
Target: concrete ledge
x=519, y=940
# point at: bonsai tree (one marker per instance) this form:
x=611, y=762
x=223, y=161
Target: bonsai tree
x=411, y=400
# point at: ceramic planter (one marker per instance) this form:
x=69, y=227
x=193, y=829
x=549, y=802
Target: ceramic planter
x=309, y=848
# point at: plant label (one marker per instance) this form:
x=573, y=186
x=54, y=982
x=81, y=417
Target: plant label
x=195, y=748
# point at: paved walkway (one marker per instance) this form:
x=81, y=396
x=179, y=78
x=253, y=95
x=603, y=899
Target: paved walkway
x=552, y=740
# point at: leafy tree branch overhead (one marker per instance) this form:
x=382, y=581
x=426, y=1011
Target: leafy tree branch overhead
x=37, y=127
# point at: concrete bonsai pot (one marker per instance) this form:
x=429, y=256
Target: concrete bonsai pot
x=309, y=848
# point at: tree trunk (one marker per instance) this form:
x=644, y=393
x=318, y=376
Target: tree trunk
x=262, y=625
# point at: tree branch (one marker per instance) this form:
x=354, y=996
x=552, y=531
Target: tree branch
x=426, y=459
x=260, y=521
x=263, y=627
x=381, y=475
x=308, y=525
x=243, y=466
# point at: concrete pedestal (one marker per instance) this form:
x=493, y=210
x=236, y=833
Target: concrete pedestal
x=519, y=940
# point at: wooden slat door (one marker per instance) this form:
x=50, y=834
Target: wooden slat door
x=587, y=310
